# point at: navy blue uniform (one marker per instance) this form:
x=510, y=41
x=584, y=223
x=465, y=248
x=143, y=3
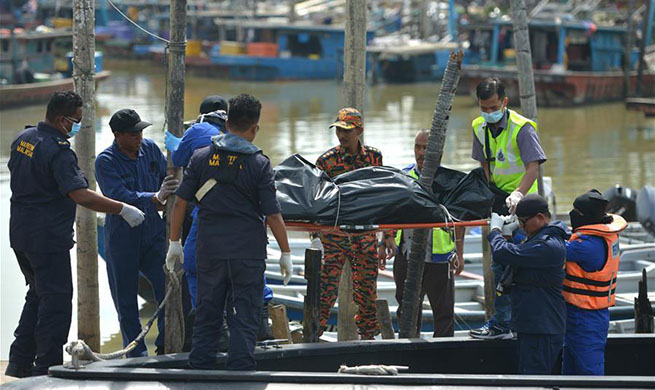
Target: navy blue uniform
x=231, y=246
x=128, y=250
x=538, y=308
x=586, y=330
x=43, y=171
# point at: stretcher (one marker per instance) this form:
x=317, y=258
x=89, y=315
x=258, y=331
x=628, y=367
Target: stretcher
x=346, y=230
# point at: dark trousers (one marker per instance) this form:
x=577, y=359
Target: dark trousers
x=46, y=317
x=233, y=286
x=439, y=285
x=538, y=352
x=125, y=263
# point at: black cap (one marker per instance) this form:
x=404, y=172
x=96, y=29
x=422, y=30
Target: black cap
x=592, y=205
x=127, y=121
x=531, y=205
x=213, y=103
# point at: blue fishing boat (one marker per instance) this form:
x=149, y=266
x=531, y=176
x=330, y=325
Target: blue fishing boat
x=576, y=62
x=264, y=51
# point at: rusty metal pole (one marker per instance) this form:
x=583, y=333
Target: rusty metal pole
x=174, y=333
x=86, y=225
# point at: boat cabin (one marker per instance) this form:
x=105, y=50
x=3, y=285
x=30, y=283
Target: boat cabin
x=34, y=50
x=572, y=46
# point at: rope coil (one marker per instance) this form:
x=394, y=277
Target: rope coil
x=80, y=351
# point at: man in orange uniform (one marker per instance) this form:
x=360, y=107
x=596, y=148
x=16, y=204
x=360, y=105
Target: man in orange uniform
x=361, y=250
x=592, y=263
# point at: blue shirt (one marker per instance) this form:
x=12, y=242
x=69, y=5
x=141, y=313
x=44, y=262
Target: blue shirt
x=231, y=216
x=197, y=136
x=537, y=303
x=43, y=171
x=134, y=182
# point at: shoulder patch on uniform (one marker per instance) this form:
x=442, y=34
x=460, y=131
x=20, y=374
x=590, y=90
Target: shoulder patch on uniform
x=372, y=149
x=327, y=154
x=63, y=144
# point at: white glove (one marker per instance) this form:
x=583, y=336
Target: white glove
x=174, y=252
x=317, y=244
x=513, y=199
x=511, y=224
x=132, y=215
x=496, y=222
x=168, y=186
x=286, y=267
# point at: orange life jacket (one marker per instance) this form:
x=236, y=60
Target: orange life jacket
x=595, y=290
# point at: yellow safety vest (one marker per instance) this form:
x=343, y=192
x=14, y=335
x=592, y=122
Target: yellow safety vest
x=442, y=242
x=507, y=168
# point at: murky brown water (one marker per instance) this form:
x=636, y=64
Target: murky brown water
x=587, y=147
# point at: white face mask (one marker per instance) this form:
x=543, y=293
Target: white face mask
x=493, y=117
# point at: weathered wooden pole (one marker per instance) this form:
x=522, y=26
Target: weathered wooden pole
x=292, y=11
x=524, y=69
x=354, y=64
x=433, y=154
x=384, y=318
x=645, y=32
x=488, y=276
x=627, y=52
x=86, y=225
x=311, y=310
x=174, y=337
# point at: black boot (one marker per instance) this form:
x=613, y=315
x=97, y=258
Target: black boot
x=264, y=332
x=18, y=371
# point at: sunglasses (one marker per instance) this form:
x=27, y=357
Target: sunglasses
x=73, y=120
x=524, y=220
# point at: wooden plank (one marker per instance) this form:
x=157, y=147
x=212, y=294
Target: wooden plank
x=280, y=322
x=489, y=288
x=384, y=318
x=311, y=311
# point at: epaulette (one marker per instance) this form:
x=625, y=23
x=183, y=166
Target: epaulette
x=64, y=144
x=372, y=149
x=327, y=154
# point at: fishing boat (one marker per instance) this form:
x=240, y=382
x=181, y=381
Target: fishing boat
x=576, y=62
x=457, y=363
x=265, y=51
x=32, y=69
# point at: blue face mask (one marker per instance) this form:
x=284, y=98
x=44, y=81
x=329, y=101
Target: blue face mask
x=74, y=130
x=493, y=117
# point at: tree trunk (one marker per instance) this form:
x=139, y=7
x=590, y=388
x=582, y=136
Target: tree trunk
x=433, y=154
x=86, y=227
x=354, y=76
x=524, y=69
x=174, y=335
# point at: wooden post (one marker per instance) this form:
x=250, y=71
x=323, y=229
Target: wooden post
x=645, y=31
x=488, y=275
x=627, y=52
x=433, y=154
x=311, y=311
x=280, y=322
x=353, y=96
x=354, y=56
x=346, y=326
x=524, y=69
x=174, y=334
x=292, y=11
x=384, y=318
x=86, y=225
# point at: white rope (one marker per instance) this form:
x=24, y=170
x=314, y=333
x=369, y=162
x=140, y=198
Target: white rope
x=374, y=369
x=80, y=351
